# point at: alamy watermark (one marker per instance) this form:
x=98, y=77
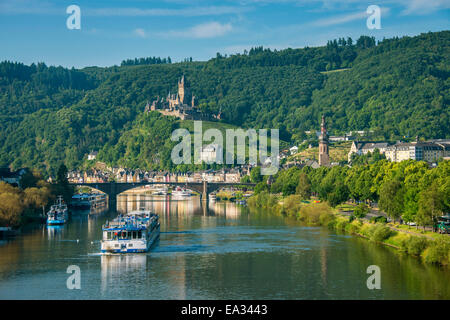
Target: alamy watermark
x=74, y=280
x=374, y=20
x=74, y=20
x=235, y=145
x=374, y=281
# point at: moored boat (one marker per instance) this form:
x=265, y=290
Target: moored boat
x=58, y=213
x=181, y=192
x=133, y=232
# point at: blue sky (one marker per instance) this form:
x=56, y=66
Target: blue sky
x=113, y=30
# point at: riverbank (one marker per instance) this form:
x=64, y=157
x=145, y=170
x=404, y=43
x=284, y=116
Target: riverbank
x=434, y=250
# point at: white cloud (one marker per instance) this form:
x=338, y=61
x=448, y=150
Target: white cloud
x=140, y=33
x=424, y=6
x=205, y=30
x=186, y=12
x=345, y=18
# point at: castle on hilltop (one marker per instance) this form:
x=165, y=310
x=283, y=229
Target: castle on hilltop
x=181, y=105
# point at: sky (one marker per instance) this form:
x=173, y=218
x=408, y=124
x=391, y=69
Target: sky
x=114, y=30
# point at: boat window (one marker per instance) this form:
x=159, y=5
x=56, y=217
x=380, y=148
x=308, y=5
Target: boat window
x=139, y=234
x=134, y=235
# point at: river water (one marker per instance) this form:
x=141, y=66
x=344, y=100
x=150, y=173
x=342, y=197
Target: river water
x=219, y=251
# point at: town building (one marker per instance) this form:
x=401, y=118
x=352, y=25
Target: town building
x=425, y=151
x=364, y=147
x=430, y=151
x=212, y=153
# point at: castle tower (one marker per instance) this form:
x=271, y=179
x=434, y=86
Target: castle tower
x=181, y=90
x=324, y=158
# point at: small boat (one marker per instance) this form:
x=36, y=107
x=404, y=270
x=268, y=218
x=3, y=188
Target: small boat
x=58, y=213
x=130, y=233
x=159, y=192
x=181, y=192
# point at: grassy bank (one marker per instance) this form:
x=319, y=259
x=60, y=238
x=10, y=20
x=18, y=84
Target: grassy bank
x=434, y=250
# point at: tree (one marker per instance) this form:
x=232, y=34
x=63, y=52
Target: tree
x=61, y=176
x=361, y=210
x=255, y=175
x=62, y=186
x=304, y=186
x=339, y=195
x=11, y=207
x=431, y=205
x=391, y=198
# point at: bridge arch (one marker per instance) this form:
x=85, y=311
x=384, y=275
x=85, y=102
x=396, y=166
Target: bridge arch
x=204, y=188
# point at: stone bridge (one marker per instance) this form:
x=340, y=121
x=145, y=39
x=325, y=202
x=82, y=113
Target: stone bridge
x=204, y=188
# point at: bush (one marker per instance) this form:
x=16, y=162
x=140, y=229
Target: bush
x=327, y=219
x=437, y=252
x=315, y=213
x=353, y=227
x=341, y=224
x=292, y=205
x=380, y=233
x=366, y=230
x=379, y=219
x=415, y=245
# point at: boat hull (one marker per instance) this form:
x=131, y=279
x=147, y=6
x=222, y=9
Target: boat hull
x=56, y=222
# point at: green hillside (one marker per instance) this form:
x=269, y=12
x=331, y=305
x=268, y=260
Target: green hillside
x=398, y=87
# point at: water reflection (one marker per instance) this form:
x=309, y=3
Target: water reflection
x=122, y=269
x=214, y=250
x=167, y=205
x=55, y=232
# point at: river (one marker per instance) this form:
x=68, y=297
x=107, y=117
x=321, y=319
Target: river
x=219, y=251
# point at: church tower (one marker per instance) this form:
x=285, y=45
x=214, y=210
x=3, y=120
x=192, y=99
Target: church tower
x=324, y=158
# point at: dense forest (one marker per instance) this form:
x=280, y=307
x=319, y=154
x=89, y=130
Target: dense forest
x=397, y=87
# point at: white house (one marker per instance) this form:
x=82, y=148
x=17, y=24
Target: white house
x=92, y=155
x=212, y=153
x=293, y=150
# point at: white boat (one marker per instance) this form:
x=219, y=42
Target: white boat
x=58, y=213
x=159, y=192
x=130, y=233
x=181, y=192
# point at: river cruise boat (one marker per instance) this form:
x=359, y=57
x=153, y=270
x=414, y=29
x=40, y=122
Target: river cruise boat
x=58, y=213
x=85, y=201
x=133, y=232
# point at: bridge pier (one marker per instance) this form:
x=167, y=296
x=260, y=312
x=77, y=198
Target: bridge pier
x=205, y=191
x=112, y=196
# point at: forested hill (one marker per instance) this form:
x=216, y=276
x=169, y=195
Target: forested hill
x=397, y=87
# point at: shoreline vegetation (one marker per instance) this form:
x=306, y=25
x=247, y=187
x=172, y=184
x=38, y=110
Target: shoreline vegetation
x=26, y=204
x=433, y=249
